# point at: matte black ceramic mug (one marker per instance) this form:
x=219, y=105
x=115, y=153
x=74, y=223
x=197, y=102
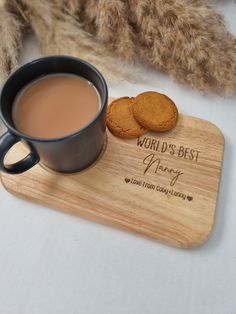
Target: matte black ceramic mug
x=67, y=154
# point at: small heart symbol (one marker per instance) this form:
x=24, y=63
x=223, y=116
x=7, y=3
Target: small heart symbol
x=189, y=198
x=127, y=180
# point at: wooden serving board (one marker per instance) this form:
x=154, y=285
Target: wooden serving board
x=162, y=186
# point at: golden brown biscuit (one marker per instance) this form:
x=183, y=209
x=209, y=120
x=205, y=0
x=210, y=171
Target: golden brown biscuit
x=155, y=111
x=120, y=120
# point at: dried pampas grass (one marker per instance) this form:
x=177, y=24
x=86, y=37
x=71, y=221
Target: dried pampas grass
x=60, y=33
x=187, y=39
x=11, y=31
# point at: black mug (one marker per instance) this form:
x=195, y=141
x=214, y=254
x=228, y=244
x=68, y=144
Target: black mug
x=67, y=154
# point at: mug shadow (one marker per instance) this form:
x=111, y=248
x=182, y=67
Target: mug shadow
x=54, y=178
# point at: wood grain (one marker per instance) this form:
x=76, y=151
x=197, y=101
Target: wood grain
x=167, y=189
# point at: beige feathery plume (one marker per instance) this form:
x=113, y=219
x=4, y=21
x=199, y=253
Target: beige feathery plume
x=187, y=39
x=60, y=33
x=11, y=31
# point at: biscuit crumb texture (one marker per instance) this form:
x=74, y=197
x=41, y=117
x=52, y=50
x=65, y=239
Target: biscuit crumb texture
x=155, y=111
x=120, y=120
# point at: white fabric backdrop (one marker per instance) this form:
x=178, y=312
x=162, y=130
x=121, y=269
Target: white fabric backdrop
x=55, y=263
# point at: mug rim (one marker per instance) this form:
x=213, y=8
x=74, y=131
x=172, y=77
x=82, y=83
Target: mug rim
x=71, y=135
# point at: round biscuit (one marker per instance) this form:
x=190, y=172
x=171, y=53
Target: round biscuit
x=120, y=120
x=155, y=111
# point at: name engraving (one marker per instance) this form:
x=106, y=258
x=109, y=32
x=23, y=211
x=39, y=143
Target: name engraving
x=155, y=164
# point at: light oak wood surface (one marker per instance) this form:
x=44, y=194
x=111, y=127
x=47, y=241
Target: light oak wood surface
x=163, y=186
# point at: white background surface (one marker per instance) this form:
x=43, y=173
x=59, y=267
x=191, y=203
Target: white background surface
x=54, y=263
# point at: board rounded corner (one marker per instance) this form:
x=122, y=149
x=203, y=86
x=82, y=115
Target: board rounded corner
x=201, y=239
x=219, y=131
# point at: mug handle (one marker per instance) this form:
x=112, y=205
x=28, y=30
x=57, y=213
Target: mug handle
x=7, y=140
